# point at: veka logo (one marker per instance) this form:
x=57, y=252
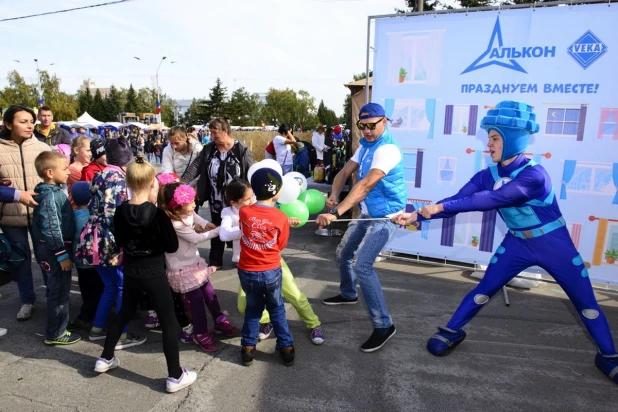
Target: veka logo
x=496, y=52
x=587, y=49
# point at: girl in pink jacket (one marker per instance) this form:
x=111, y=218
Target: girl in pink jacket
x=187, y=272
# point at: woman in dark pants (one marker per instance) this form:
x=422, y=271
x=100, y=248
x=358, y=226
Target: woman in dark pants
x=221, y=161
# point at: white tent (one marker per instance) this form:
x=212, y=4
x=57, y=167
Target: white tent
x=87, y=119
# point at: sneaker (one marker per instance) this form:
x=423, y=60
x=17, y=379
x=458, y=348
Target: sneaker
x=377, y=340
x=25, y=312
x=97, y=335
x=103, y=365
x=227, y=329
x=265, y=330
x=67, y=339
x=247, y=353
x=205, y=342
x=339, y=300
x=77, y=324
x=130, y=341
x=3, y=331
x=186, y=335
x=287, y=354
x=186, y=379
x=152, y=320
x=317, y=336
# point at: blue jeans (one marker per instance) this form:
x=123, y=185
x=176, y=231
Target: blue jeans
x=287, y=168
x=263, y=289
x=374, y=235
x=22, y=274
x=112, y=277
x=149, y=156
x=58, y=288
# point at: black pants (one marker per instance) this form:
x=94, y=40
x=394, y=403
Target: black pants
x=91, y=287
x=159, y=293
x=217, y=247
x=179, y=309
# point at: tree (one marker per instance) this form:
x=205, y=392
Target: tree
x=84, y=101
x=98, y=106
x=192, y=115
x=280, y=107
x=146, y=101
x=18, y=92
x=168, y=110
x=63, y=104
x=255, y=109
x=216, y=104
x=113, y=105
x=326, y=116
x=238, y=107
x=346, y=118
x=305, y=110
x=362, y=75
x=131, y=103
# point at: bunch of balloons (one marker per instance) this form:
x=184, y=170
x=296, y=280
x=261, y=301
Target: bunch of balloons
x=295, y=200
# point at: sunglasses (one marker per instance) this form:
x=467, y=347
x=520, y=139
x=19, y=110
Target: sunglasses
x=370, y=126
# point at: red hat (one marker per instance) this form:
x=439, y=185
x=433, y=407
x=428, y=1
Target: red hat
x=337, y=129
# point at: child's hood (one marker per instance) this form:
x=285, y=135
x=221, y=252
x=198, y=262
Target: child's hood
x=44, y=189
x=139, y=215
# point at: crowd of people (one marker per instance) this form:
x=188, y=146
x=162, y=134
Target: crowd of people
x=133, y=234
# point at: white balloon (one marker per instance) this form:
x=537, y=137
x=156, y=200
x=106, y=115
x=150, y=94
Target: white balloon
x=270, y=163
x=290, y=190
x=300, y=179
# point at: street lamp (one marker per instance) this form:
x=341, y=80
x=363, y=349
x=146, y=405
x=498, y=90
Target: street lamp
x=158, y=103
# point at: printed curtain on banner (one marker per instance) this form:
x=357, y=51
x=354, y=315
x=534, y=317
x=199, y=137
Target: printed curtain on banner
x=456, y=67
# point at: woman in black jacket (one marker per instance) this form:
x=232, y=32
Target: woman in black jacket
x=221, y=161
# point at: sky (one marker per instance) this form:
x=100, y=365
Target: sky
x=314, y=45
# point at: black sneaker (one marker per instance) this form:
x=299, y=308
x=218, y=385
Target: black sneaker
x=339, y=300
x=77, y=324
x=247, y=353
x=287, y=354
x=377, y=340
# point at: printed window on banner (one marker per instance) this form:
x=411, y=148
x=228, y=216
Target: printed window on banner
x=592, y=178
x=566, y=121
x=447, y=167
x=409, y=166
x=460, y=119
x=608, y=124
x=612, y=236
x=410, y=115
x=468, y=229
x=575, y=230
x=415, y=57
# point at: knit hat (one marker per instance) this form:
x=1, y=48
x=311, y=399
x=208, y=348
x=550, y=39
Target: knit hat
x=80, y=191
x=97, y=147
x=265, y=183
x=118, y=152
x=515, y=121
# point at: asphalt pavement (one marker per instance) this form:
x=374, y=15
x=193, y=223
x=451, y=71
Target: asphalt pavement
x=533, y=355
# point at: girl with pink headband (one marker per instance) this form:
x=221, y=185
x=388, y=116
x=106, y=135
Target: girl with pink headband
x=187, y=272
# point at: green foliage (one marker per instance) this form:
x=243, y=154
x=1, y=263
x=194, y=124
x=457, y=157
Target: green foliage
x=611, y=253
x=84, y=101
x=362, y=75
x=130, y=105
x=113, y=105
x=475, y=239
x=403, y=72
x=346, y=118
x=238, y=108
x=326, y=116
x=216, y=105
x=98, y=107
x=18, y=92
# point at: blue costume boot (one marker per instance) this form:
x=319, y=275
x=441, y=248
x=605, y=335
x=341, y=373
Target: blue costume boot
x=443, y=342
x=608, y=365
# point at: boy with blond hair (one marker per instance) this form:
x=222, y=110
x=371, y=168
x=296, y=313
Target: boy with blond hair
x=53, y=227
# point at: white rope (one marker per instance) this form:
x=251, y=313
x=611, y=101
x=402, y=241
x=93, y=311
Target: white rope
x=352, y=220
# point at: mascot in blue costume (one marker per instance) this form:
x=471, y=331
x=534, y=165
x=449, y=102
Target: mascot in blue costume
x=522, y=192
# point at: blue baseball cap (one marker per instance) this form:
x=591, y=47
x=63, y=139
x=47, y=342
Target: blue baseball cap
x=371, y=110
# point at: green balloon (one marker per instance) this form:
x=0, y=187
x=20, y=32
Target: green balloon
x=296, y=209
x=314, y=199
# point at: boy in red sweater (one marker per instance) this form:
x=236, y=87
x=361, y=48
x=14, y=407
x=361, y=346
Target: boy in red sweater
x=265, y=232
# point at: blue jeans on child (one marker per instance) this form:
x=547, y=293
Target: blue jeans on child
x=58, y=288
x=263, y=289
x=374, y=235
x=22, y=274
x=112, y=277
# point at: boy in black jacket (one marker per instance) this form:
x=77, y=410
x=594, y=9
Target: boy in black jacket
x=53, y=227
x=145, y=233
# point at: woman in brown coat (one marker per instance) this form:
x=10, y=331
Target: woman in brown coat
x=18, y=149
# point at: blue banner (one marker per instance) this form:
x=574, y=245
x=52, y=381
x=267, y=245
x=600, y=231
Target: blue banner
x=437, y=75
